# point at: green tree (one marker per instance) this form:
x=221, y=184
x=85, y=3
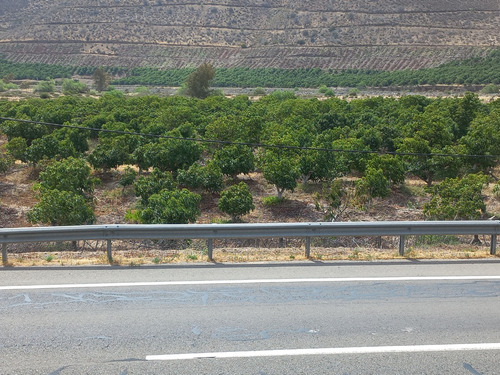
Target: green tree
x=101, y=79
x=47, y=86
x=15, y=129
x=236, y=201
x=171, y=207
x=171, y=154
x=198, y=82
x=72, y=87
x=17, y=148
x=146, y=186
x=373, y=184
x=457, y=199
x=128, y=177
x=391, y=166
x=6, y=162
x=112, y=152
x=62, y=208
x=208, y=177
x=281, y=172
x=71, y=175
x=465, y=111
x=483, y=138
x=49, y=147
x=235, y=159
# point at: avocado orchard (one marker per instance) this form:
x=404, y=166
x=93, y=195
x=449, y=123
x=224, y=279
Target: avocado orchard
x=179, y=143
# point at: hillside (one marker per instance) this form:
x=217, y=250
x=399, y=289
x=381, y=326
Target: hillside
x=327, y=34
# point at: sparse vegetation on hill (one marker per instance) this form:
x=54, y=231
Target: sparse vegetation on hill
x=343, y=34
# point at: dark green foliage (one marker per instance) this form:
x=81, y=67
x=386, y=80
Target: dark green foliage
x=236, y=201
x=207, y=177
x=476, y=70
x=391, y=166
x=170, y=154
x=62, y=208
x=171, y=207
x=157, y=181
x=373, y=184
x=457, y=199
x=112, y=152
x=15, y=129
x=6, y=162
x=483, y=138
x=68, y=175
x=17, y=148
x=49, y=147
x=235, y=159
x=282, y=172
x=128, y=177
x=35, y=71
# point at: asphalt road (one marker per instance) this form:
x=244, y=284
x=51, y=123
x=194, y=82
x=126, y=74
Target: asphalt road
x=312, y=318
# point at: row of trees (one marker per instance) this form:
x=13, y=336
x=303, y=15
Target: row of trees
x=477, y=70
x=378, y=140
x=471, y=71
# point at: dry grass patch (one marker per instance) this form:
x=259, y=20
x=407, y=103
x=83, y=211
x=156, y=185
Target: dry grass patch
x=135, y=258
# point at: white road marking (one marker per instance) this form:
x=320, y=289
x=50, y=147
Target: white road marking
x=328, y=351
x=250, y=281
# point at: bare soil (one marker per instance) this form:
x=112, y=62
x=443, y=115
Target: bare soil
x=112, y=202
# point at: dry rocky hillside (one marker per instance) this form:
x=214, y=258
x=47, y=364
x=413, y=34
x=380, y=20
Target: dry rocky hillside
x=388, y=35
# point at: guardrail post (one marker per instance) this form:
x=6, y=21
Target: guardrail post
x=108, y=251
x=210, y=247
x=493, y=248
x=402, y=245
x=4, y=253
x=308, y=247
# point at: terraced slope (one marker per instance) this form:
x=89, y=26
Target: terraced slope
x=337, y=34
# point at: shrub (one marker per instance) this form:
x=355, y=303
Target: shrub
x=457, y=199
x=235, y=159
x=373, y=184
x=69, y=175
x=48, y=86
x=490, y=89
x=272, y=201
x=157, y=181
x=6, y=162
x=259, y=91
x=171, y=207
x=128, y=177
x=207, y=177
x=62, y=208
x=71, y=87
x=236, y=201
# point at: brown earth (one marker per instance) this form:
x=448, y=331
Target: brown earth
x=112, y=203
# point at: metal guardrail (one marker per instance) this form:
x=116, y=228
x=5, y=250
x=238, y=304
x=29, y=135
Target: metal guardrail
x=225, y=231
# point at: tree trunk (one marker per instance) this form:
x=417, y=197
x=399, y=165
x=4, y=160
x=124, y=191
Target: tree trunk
x=476, y=240
x=280, y=192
